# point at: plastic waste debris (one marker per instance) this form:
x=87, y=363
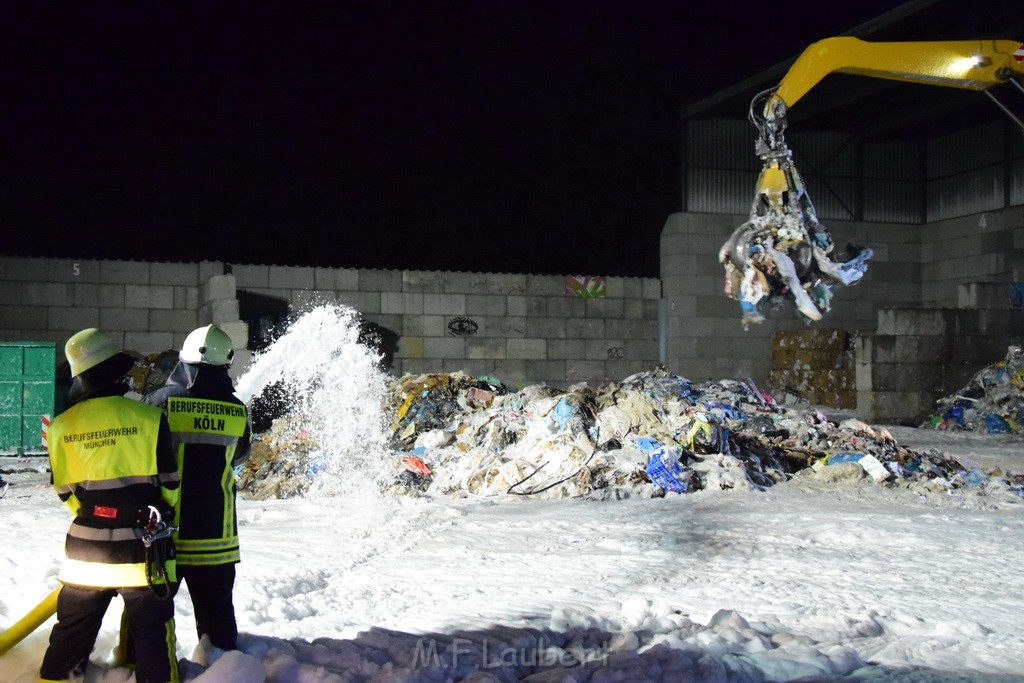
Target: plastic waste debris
x=479, y=398
x=992, y=401
x=647, y=444
x=414, y=464
x=973, y=478
x=994, y=424
x=836, y=458
x=665, y=469
x=874, y=467
x=650, y=434
x=561, y=414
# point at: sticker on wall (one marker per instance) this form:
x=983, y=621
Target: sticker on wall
x=1017, y=295
x=462, y=327
x=585, y=286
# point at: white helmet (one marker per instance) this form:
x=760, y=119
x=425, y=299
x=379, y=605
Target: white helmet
x=209, y=345
x=87, y=349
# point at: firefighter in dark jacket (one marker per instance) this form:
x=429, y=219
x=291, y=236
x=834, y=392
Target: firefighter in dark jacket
x=210, y=430
x=113, y=465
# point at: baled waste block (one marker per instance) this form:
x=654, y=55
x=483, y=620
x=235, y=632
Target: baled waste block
x=814, y=364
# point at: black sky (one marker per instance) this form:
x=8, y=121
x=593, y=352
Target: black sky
x=536, y=137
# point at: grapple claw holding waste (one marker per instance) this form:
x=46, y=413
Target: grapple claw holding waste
x=782, y=251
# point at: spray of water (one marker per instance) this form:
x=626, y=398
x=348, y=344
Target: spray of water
x=335, y=391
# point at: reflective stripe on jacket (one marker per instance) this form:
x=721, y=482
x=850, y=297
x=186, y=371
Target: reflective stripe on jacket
x=105, y=467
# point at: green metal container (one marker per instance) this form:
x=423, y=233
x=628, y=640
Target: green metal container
x=28, y=372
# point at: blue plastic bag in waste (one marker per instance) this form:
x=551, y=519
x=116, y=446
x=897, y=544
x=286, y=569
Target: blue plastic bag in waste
x=836, y=458
x=955, y=414
x=726, y=409
x=996, y=425
x=896, y=468
x=647, y=444
x=561, y=413
x=975, y=478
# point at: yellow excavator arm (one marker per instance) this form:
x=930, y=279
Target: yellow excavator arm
x=965, y=64
x=969, y=64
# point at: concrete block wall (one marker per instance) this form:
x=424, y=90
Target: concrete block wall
x=919, y=355
x=705, y=339
x=520, y=328
x=218, y=305
x=145, y=307
x=964, y=321
x=984, y=247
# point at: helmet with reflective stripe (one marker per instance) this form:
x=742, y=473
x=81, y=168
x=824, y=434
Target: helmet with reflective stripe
x=87, y=349
x=209, y=345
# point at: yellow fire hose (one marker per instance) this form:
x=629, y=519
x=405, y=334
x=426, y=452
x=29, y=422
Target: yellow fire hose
x=19, y=630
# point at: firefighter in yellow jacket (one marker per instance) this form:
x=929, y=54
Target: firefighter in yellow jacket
x=113, y=465
x=210, y=429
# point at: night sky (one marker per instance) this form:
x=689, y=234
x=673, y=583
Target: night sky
x=528, y=137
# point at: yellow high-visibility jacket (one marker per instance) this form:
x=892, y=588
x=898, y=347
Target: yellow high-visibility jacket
x=211, y=435
x=111, y=459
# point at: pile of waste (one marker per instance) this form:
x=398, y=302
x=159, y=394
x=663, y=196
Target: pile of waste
x=151, y=371
x=652, y=434
x=282, y=463
x=992, y=401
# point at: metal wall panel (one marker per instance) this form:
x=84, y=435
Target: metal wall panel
x=827, y=153
x=833, y=198
x=965, y=172
x=721, y=144
x=894, y=160
x=718, y=191
x=1016, y=141
x=1017, y=182
x=966, y=150
x=893, y=201
x=965, y=193
x=829, y=165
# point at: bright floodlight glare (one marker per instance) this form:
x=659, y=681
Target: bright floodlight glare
x=965, y=64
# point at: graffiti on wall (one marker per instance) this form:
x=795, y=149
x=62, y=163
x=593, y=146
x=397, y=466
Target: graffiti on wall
x=462, y=327
x=585, y=286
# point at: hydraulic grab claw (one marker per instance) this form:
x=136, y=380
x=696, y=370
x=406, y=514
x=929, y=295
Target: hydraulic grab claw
x=782, y=250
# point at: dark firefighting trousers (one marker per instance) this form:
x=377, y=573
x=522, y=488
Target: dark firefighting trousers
x=210, y=588
x=80, y=613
